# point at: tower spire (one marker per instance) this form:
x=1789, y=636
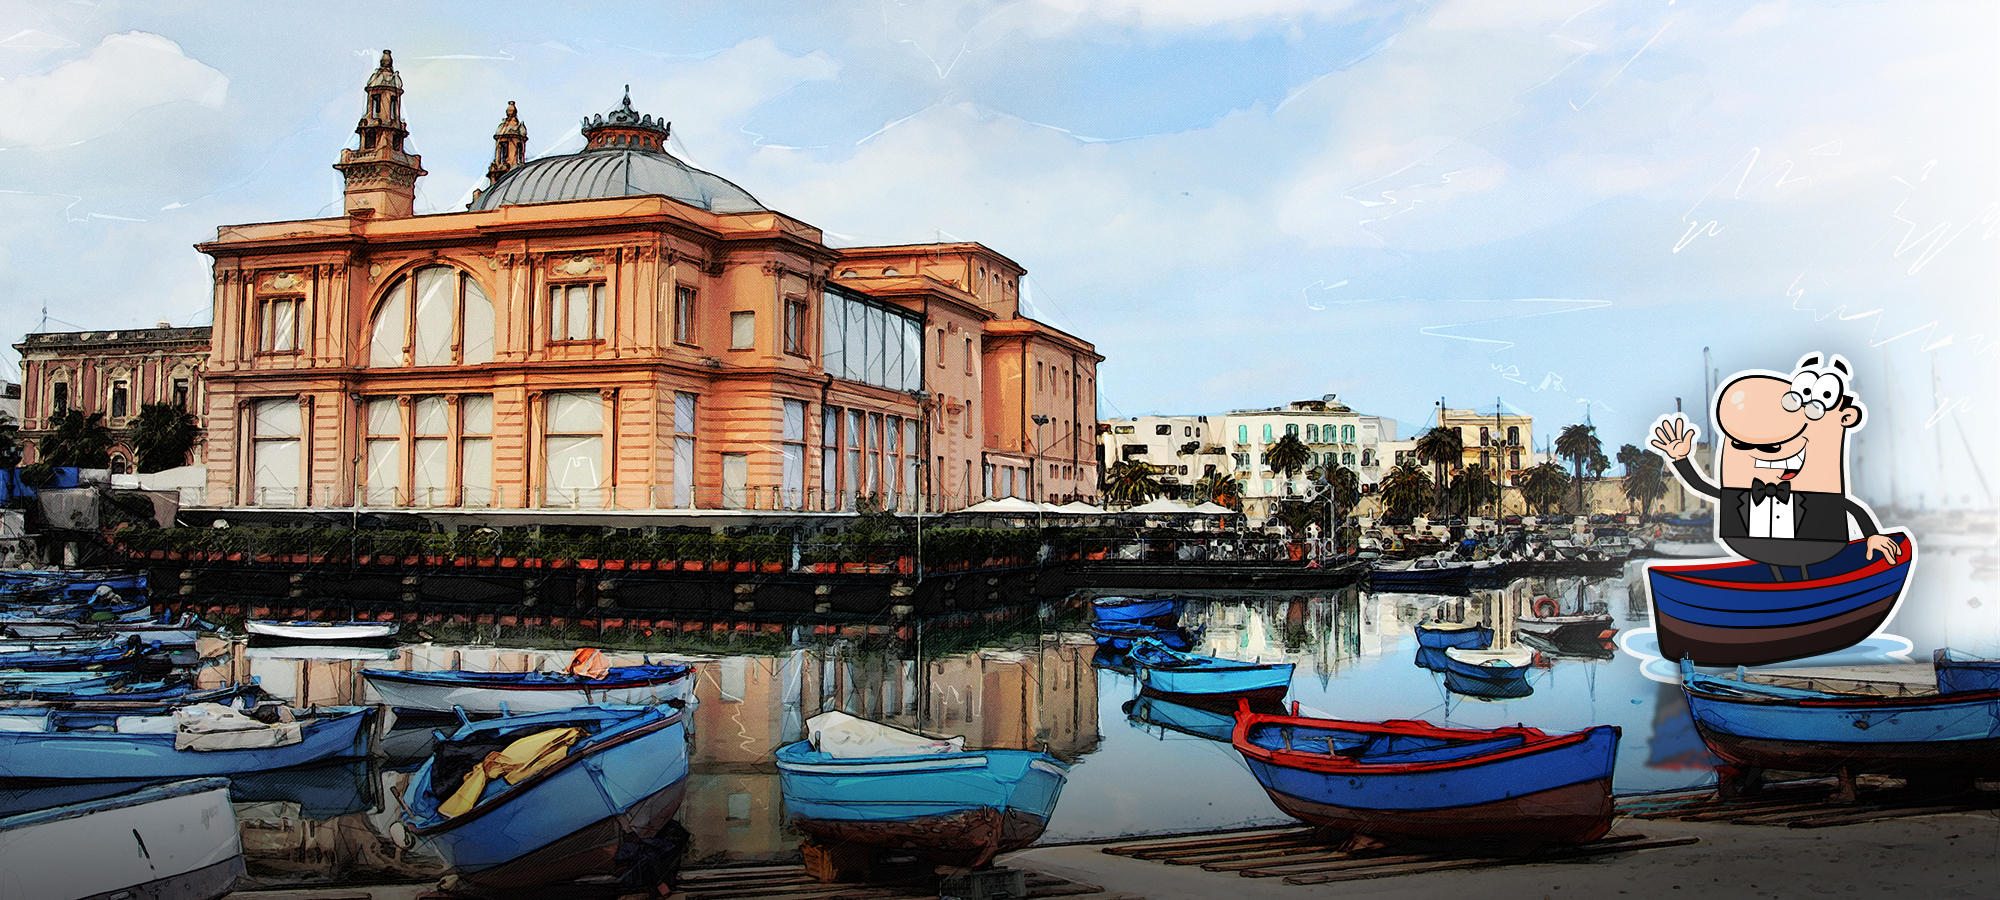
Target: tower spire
x=381, y=176
x=510, y=145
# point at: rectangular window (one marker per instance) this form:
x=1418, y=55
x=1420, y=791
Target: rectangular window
x=910, y=458
x=968, y=356
x=475, y=450
x=180, y=393
x=59, y=397
x=871, y=342
x=384, y=427
x=275, y=430
x=1163, y=429
x=795, y=326
x=684, y=410
x=576, y=312
x=278, y=325
x=573, y=433
x=829, y=457
x=851, y=483
x=684, y=314
x=430, y=482
x=792, y=475
x=742, y=330
x=874, y=470
x=121, y=400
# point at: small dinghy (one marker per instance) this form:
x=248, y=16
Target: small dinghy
x=176, y=841
x=1165, y=670
x=859, y=782
x=1413, y=779
x=1959, y=672
x=519, y=802
x=191, y=741
x=323, y=632
x=1439, y=635
x=491, y=693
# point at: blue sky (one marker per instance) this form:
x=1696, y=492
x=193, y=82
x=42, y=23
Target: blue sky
x=1556, y=204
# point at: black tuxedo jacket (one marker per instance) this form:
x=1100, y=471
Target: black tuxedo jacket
x=1816, y=516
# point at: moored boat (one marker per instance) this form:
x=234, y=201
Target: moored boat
x=1770, y=727
x=1134, y=609
x=1737, y=614
x=175, y=841
x=1120, y=635
x=1413, y=779
x=1424, y=574
x=1509, y=664
x=193, y=741
x=1580, y=630
x=327, y=632
x=1959, y=672
x=1439, y=635
x=1169, y=671
x=520, y=802
x=490, y=693
x=859, y=782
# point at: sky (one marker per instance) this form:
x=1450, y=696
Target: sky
x=1558, y=206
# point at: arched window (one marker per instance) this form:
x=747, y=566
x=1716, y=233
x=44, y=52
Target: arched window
x=1312, y=434
x=1242, y=434
x=434, y=316
x=1347, y=434
x=1292, y=430
x=1513, y=435
x=1267, y=432
x=1485, y=436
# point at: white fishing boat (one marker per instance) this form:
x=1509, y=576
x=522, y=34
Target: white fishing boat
x=176, y=840
x=329, y=632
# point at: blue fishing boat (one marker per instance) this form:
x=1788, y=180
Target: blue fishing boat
x=180, y=745
x=1959, y=672
x=1169, y=671
x=1468, y=635
x=1120, y=635
x=1511, y=664
x=1770, y=727
x=1487, y=688
x=1413, y=779
x=858, y=782
x=1426, y=574
x=1150, y=709
x=520, y=802
x=491, y=693
x=132, y=654
x=1135, y=609
x=1736, y=614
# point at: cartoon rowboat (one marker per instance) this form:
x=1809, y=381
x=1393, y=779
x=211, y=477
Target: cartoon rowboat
x=1734, y=614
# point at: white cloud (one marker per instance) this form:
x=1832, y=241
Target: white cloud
x=94, y=96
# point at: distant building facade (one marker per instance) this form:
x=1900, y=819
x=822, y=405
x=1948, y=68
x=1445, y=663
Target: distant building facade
x=615, y=329
x=1493, y=439
x=1186, y=448
x=110, y=372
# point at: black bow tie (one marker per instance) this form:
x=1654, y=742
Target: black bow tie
x=1761, y=491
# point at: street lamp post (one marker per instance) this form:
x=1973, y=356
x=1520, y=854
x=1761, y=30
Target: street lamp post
x=1041, y=481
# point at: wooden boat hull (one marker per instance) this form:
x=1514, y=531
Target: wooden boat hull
x=1735, y=614
x=482, y=693
x=1513, y=783
x=1572, y=814
x=567, y=820
x=955, y=808
x=167, y=842
x=1815, y=731
x=100, y=756
x=1439, y=636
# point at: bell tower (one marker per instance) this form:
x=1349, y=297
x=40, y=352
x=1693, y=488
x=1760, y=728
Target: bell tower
x=381, y=178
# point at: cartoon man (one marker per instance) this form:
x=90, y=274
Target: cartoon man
x=1782, y=463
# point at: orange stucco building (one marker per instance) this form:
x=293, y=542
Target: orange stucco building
x=615, y=329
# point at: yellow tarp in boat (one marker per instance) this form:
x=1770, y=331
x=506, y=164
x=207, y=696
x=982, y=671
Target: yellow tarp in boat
x=516, y=764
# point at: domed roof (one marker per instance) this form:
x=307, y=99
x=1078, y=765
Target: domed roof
x=597, y=174
x=625, y=157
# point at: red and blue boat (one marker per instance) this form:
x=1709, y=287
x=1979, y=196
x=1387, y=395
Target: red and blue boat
x=1409, y=779
x=1736, y=614
x=1770, y=727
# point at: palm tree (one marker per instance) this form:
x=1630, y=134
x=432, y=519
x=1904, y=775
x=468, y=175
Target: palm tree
x=1344, y=489
x=1439, y=446
x=1220, y=488
x=1579, y=445
x=77, y=440
x=1472, y=489
x=162, y=435
x=1132, y=482
x=1406, y=490
x=1288, y=455
x=10, y=442
x=1543, y=486
x=1645, y=481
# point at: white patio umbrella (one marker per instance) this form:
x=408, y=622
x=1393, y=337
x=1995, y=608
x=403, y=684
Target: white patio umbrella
x=1161, y=506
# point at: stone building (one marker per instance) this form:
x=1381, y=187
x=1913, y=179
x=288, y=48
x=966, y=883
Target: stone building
x=110, y=372
x=616, y=329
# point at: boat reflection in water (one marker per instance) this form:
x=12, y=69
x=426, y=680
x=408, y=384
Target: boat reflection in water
x=1150, y=710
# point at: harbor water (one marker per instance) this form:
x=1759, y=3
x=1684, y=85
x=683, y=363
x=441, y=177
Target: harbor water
x=1033, y=680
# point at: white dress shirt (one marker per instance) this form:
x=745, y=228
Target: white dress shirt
x=1771, y=518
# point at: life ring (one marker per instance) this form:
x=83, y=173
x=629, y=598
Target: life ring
x=1546, y=608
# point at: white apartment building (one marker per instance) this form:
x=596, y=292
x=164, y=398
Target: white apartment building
x=1183, y=448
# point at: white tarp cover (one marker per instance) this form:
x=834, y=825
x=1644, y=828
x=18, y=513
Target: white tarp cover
x=842, y=736
x=1002, y=505
x=212, y=726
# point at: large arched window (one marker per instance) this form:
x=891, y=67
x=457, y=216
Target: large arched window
x=434, y=316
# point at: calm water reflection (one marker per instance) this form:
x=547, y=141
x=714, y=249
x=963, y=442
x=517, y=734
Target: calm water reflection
x=1140, y=767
